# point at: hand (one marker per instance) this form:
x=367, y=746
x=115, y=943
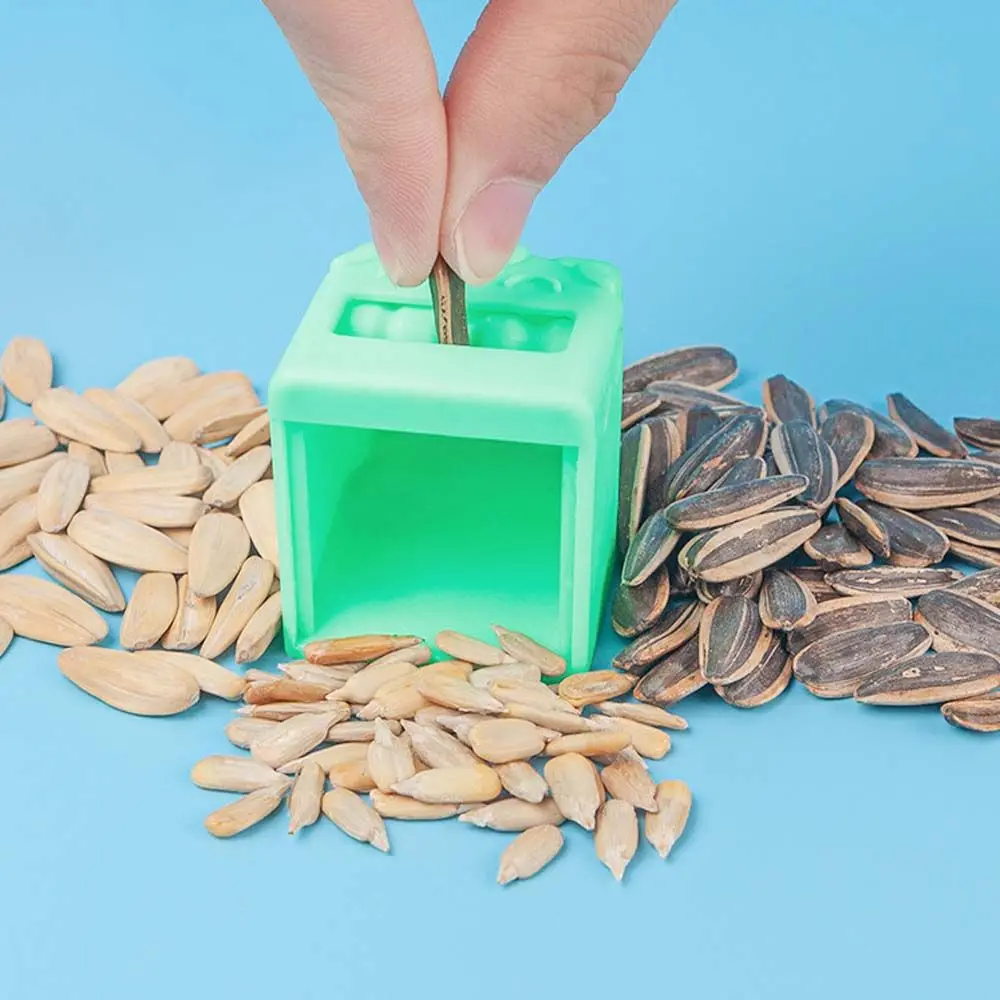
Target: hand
x=458, y=175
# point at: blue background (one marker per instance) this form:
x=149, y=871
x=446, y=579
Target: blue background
x=814, y=185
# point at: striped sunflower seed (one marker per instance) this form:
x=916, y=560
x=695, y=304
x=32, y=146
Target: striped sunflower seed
x=248, y=469
x=211, y=677
x=617, y=836
x=226, y=773
x=241, y=732
x=501, y=741
x=872, y=534
x=158, y=510
x=26, y=368
x=131, y=413
x=665, y=447
x=851, y=435
x=699, y=468
x=922, y=483
x=452, y=785
x=592, y=686
x=436, y=748
x=835, y=547
x=128, y=683
x=980, y=432
x=24, y=479
x=725, y=505
x=306, y=798
x=635, y=456
x=984, y=585
x=834, y=666
x=44, y=611
x=514, y=815
x=742, y=586
x=785, y=400
x=746, y=470
x=647, y=741
x=891, y=440
x=813, y=578
x=702, y=421
x=732, y=640
x=293, y=738
x=359, y=647
x=390, y=758
x=127, y=543
x=844, y=614
x=219, y=547
x=980, y=715
x=710, y=366
x=66, y=413
x=932, y=680
x=664, y=827
x=522, y=781
x=975, y=555
x=160, y=373
x=193, y=619
x=528, y=853
x=649, y=715
x=756, y=543
x=635, y=406
x=355, y=817
x=675, y=628
x=627, y=778
x=391, y=806
x=785, y=601
x=77, y=570
x=247, y=594
x=892, y=581
x=959, y=622
x=913, y=541
x=926, y=431
x=526, y=650
x=246, y=811
x=764, y=683
x=799, y=450
x=576, y=788
x=649, y=549
x=977, y=527
x=637, y=609
x=177, y=481
x=22, y=440
x=677, y=395
x=672, y=678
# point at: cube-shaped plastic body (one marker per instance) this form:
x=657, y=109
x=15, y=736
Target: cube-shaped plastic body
x=423, y=486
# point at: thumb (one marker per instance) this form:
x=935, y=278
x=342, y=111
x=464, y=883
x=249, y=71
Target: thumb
x=535, y=78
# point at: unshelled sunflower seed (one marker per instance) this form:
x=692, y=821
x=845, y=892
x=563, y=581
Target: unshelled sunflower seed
x=247, y=594
x=617, y=836
x=484, y=676
x=24, y=479
x=869, y=531
x=512, y=815
x=176, y=481
x=78, y=419
x=756, y=543
x=390, y=758
x=959, y=622
x=500, y=741
x=241, y=732
x=391, y=806
x=683, y=396
x=277, y=688
x=923, y=483
x=293, y=738
x=984, y=585
x=628, y=779
x=731, y=640
x=980, y=432
x=193, y=619
x=892, y=581
x=219, y=546
x=436, y=748
x=226, y=773
x=673, y=630
x=359, y=731
x=727, y=504
x=26, y=368
x=77, y=570
x=590, y=687
x=649, y=715
x=647, y=740
x=834, y=666
x=258, y=633
x=926, y=431
x=360, y=647
x=785, y=602
x=306, y=797
x=843, y=614
x=850, y=434
x=529, y=853
x=509, y=690
x=465, y=647
x=131, y=413
x=396, y=699
x=798, y=449
x=128, y=683
x=456, y=694
x=248, y=469
x=980, y=715
x=672, y=678
x=976, y=527
x=913, y=541
x=521, y=780
x=328, y=757
x=22, y=440
x=576, y=788
x=975, y=555
x=160, y=373
x=636, y=609
x=452, y=785
x=127, y=543
x=786, y=400
x=211, y=677
x=362, y=687
x=891, y=440
x=255, y=433
x=246, y=811
x=764, y=683
x=635, y=406
x=835, y=547
x=932, y=680
x=664, y=827
x=44, y=611
x=458, y=723
x=158, y=510
x=711, y=367
x=595, y=743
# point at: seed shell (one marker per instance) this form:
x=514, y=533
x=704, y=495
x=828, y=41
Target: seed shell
x=764, y=683
x=727, y=504
x=26, y=368
x=664, y=827
x=238, y=478
x=984, y=585
x=246, y=811
x=617, y=836
x=851, y=435
x=672, y=678
x=798, y=449
x=211, y=677
x=576, y=788
x=913, y=541
x=932, y=680
x=24, y=479
x=673, y=630
x=178, y=481
x=160, y=373
x=22, y=439
x=742, y=586
x=258, y=633
x=528, y=853
x=649, y=549
x=44, y=611
x=834, y=546
x=77, y=570
x=131, y=413
x=926, y=431
x=785, y=400
x=193, y=619
x=785, y=602
x=711, y=367
x=892, y=581
x=870, y=532
x=127, y=543
x=922, y=483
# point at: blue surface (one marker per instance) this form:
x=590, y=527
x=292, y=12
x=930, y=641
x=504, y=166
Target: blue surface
x=812, y=184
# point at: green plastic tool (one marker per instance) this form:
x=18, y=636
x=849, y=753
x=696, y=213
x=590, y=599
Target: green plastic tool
x=422, y=486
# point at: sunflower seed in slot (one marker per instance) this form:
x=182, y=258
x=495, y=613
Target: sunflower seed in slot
x=892, y=581
x=977, y=527
x=785, y=601
x=637, y=609
x=723, y=505
x=913, y=542
x=675, y=627
x=932, y=680
x=672, y=678
x=708, y=366
x=959, y=622
x=835, y=547
x=924, y=483
x=891, y=440
x=635, y=406
x=846, y=614
x=834, y=666
x=979, y=715
x=732, y=640
x=635, y=453
x=980, y=432
x=799, y=450
x=851, y=435
x=764, y=683
x=786, y=400
x=869, y=532
x=649, y=549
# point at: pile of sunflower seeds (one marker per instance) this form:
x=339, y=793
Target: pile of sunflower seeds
x=762, y=544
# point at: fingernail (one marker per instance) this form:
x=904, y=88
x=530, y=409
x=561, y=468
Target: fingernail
x=386, y=251
x=490, y=226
